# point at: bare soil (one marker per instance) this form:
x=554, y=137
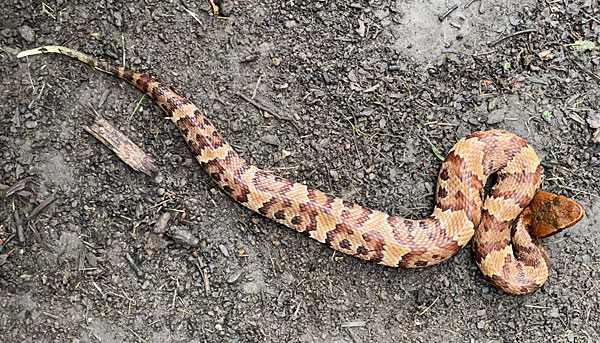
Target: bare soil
x=369, y=84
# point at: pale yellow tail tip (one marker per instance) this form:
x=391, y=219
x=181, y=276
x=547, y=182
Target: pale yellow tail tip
x=40, y=50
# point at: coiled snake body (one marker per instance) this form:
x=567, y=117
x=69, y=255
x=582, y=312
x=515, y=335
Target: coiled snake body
x=517, y=265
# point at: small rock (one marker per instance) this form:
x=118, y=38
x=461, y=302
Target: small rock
x=334, y=175
x=380, y=14
x=155, y=242
x=31, y=124
x=361, y=28
x=495, y=117
x=183, y=236
x=118, y=18
x=594, y=120
x=224, y=250
x=161, y=223
x=233, y=278
x=285, y=154
x=382, y=123
x=27, y=33
x=226, y=8
x=290, y=24
x=270, y=139
x=546, y=55
x=586, y=259
x=485, y=293
x=553, y=313
x=492, y=105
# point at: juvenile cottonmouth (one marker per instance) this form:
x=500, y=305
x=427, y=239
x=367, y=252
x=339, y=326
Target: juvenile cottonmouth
x=505, y=244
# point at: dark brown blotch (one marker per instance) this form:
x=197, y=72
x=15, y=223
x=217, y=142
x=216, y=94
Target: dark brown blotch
x=216, y=176
x=174, y=102
x=421, y=264
x=347, y=203
x=142, y=82
x=158, y=91
x=377, y=244
x=361, y=250
x=444, y=174
x=279, y=215
x=296, y=220
x=345, y=244
x=266, y=207
x=442, y=192
x=127, y=75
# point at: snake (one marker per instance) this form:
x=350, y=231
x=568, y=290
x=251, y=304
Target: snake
x=505, y=225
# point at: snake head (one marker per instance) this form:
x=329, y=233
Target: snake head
x=553, y=213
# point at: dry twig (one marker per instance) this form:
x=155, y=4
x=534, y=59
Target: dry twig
x=127, y=151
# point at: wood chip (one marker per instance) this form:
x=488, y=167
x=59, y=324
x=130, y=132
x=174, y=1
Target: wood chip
x=161, y=223
x=17, y=186
x=19, y=225
x=127, y=151
x=41, y=207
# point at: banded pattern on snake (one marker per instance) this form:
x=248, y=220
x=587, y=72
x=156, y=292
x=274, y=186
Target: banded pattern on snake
x=505, y=244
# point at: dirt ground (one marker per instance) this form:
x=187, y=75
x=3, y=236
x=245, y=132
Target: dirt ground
x=369, y=84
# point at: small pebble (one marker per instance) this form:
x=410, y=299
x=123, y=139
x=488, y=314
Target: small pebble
x=161, y=223
x=233, y=278
x=183, y=236
x=334, y=175
x=224, y=250
x=495, y=117
x=27, y=33
x=290, y=24
x=270, y=139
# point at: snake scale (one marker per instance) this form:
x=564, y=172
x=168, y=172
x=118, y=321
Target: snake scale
x=505, y=244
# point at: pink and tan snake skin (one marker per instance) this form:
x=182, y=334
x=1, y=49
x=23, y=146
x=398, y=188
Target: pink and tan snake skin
x=505, y=244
